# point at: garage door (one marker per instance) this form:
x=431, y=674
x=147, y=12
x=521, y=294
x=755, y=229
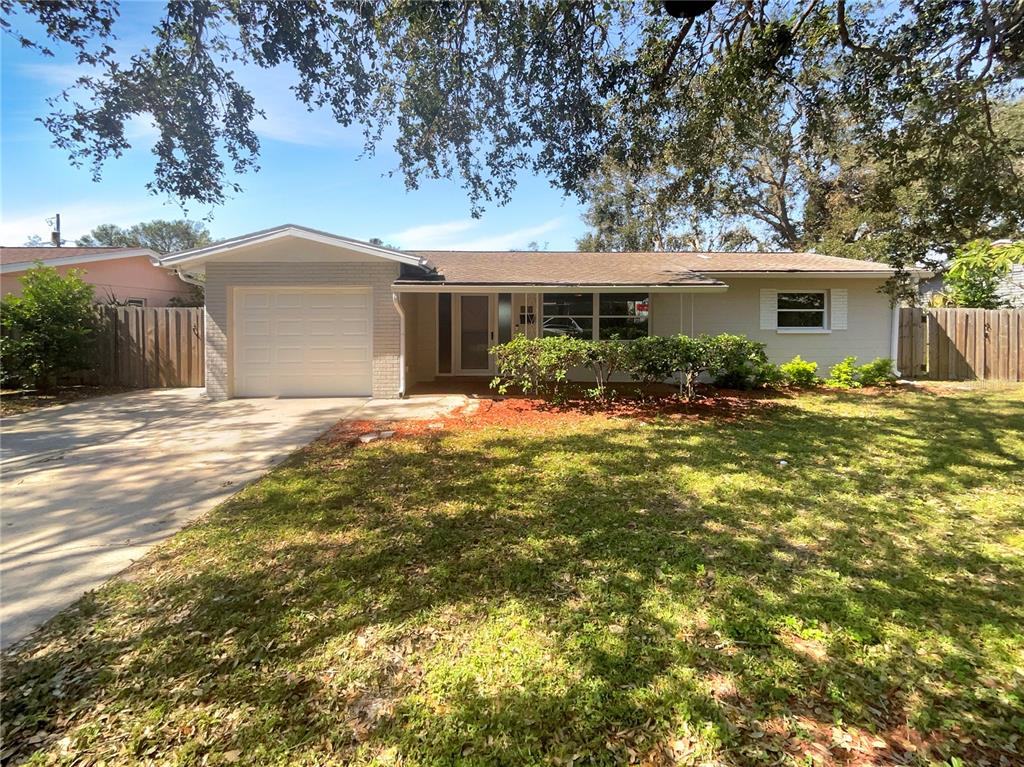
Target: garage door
x=302, y=342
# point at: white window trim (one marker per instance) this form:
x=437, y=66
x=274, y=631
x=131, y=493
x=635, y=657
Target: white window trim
x=595, y=308
x=825, y=314
x=137, y=302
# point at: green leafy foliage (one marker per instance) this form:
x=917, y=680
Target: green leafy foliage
x=537, y=366
x=48, y=330
x=770, y=376
x=603, y=359
x=977, y=271
x=738, y=362
x=541, y=366
x=843, y=375
x=848, y=375
x=878, y=372
x=873, y=127
x=800, y=372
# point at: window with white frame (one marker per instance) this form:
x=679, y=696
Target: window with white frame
x=135, y=302
x=622, y=316
x=801, y=310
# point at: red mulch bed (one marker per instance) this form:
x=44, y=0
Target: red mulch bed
x=541, y=415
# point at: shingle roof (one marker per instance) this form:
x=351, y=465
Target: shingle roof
x=662, y=268
x=28, y=255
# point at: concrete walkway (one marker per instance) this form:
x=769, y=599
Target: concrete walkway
x=87, y=488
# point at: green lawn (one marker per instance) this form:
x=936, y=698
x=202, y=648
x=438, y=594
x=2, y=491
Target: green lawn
x=587, y=590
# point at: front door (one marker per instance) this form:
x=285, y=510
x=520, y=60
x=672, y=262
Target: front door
x=474, y=333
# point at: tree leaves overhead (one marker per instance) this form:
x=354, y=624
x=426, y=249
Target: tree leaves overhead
x=771, y=105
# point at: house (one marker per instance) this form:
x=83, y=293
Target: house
x=125, y=275
x=293, y=311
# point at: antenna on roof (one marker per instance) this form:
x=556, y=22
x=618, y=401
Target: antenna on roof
x=55, y=233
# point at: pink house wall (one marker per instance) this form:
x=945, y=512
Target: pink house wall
x=123, y=278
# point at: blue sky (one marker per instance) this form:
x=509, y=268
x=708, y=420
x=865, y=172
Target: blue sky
x=311, y=173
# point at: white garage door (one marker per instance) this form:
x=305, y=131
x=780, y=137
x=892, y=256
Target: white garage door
x=302, y=342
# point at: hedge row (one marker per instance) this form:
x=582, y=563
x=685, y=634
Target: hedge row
x=541, y=366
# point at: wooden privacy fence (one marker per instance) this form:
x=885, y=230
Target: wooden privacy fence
x=150, y=348
x=962, y=344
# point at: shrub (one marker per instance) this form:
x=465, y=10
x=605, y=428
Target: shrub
x=603, y=359
x=537, y=366
x=46, y=332
x=651, y=359
x=799, y=372
x=843, y=375
x=878, y=372
x=736, y=361
x=769, y=376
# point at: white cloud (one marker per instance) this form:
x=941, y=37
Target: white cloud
x=59, y=75
x=286, y=118
x=431, y=236
x=446, y=236
x=78, y=219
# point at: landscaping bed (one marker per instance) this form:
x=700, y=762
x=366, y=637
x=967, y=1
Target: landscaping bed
x=17, y=401
x=822, y=578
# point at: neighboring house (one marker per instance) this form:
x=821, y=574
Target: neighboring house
x=127, y=275
x=293, y=311
x=1012, y=288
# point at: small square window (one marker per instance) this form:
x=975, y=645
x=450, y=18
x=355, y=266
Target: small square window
x=135, y=302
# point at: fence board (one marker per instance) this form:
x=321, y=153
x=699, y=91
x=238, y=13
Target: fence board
x=962, y=344
x=150, y=347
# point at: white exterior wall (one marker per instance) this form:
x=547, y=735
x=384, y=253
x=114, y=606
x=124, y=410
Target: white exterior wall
x=868, y=331
x=224, y=275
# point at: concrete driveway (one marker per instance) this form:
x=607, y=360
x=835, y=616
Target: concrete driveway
x=88, y=488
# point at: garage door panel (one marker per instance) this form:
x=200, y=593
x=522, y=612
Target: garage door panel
x=295, y=342
x=256, y=355
x=285, y=327
x=256, y=299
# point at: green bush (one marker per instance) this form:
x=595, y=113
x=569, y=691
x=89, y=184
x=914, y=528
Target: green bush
x=799, y=372
x=603, y=359
x=878, y=372
x=736, y=361
x=541, y=366
x=652, y=359
x=48, y=331
x=769, y=376
x=844, y=375
x=537, y=366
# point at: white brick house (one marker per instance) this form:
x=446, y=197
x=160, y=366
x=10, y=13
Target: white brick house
x=292, y=311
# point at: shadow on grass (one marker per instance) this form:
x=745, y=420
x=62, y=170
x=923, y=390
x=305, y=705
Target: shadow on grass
x=613, y=591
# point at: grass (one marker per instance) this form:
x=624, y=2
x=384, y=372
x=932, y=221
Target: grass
x=17, y=401
x=576, y=590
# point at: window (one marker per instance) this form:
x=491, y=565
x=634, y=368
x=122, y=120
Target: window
x=622, y=316
x=801, y=310
x=135, y=302
x=569, y=314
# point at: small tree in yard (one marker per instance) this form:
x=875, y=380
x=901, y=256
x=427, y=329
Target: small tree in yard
x=48, y=331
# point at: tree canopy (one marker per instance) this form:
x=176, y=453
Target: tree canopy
x=780, y=106
x=162, y=236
